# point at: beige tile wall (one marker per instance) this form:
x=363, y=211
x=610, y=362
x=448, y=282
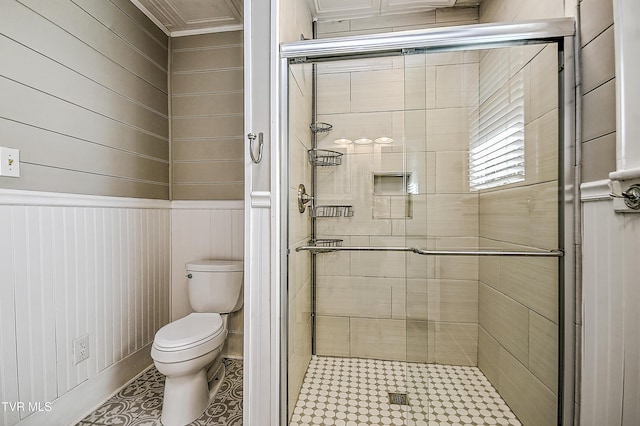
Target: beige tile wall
x=518, y=303
x=299, y=276
x=207, y=102
x=389, y=305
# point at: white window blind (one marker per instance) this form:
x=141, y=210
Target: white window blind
x=496, y=145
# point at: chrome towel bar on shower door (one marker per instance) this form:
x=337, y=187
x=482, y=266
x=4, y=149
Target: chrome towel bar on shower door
x=541, y=253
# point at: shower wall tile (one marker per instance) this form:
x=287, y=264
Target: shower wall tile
x=532, y=282
x=399, y=299
x=378, y=338
x=599, y=111
x=453, y=58
x=489, y=266
x=334, y=92
x=500, y=10
x=416, y=226
x=452, y=215
x=533, y=402
x=377, y=90
x=598, y=61
x=489, y=355
x=544, y=75
x=357, y=226
x=506, y=320
x=457, y=86
x=456, y=14
x=421, y=266
x=540, y=10
x=299, y=120
x=456, y=344
x=598, y=158
x=354, y=296
x=332, y=338
x=596, y=16
x=415, y=131
x=452, y=172
x=541, y=149
x=448, y=129
x=419, y=18
x=299, y=271
x=300, y=169
x=543, y=215
x=299, y=357
x=300, y=313
x=504, y=215
x=417, y=308
x=421, y=341
x=543, y=350
x=379, y=264
x=336, y=263
x=452, y=301
x=457, y=267
x=415, y=88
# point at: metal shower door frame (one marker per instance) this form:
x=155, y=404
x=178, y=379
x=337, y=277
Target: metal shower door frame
x=469, y=37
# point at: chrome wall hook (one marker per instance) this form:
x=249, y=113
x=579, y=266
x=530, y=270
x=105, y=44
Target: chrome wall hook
x=631, y=197
x=252, y=136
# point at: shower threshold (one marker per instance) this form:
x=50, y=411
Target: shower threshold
x=355, y=391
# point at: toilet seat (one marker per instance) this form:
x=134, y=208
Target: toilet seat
x=188, y=338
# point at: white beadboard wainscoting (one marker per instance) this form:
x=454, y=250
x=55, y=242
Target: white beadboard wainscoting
x=206, y=230
x=74, y=265
x=611, y=311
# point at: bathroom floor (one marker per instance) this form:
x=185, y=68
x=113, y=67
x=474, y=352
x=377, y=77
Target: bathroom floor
x=140, y=403
x=353, y=391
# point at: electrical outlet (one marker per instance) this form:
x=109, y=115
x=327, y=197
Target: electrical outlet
x=80, y=349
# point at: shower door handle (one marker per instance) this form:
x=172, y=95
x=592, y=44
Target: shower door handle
x=252, y=136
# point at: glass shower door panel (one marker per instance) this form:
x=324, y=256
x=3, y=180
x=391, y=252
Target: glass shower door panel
x=483, y=127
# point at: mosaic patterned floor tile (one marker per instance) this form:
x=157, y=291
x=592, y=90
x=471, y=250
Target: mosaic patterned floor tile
x=140, y=403
x=355, y=392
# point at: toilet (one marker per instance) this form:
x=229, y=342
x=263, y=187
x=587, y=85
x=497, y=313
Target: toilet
x=189, y=351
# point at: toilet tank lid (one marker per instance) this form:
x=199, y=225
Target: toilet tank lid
x=215, y=265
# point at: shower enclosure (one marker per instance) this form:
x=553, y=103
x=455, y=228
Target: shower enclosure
x=428, y=233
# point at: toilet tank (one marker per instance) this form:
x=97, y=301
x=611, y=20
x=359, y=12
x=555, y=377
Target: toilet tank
x=215, y=285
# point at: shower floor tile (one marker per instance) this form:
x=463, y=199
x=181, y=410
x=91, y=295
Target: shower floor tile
x=140, y=403
x=355, y=392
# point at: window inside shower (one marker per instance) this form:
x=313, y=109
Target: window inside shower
x=423, y=274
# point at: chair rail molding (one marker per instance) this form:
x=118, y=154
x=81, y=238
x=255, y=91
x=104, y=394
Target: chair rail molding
x=627, y=39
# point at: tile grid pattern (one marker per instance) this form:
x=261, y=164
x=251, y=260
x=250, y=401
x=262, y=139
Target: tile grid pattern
x=354, y=392
x=140, y=403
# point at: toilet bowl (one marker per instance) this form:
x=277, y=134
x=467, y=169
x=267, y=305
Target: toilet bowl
x=189, y=351
x=186, y=351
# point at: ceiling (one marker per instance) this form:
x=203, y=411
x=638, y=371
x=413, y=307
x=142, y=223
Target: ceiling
x=186, y=17
x=345, y=9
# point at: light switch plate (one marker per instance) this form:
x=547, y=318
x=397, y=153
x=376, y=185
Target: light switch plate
x=9, y=162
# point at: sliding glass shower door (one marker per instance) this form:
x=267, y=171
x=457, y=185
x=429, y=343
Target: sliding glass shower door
x=425, y=238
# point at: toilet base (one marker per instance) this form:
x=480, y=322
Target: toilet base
x=186, y=397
